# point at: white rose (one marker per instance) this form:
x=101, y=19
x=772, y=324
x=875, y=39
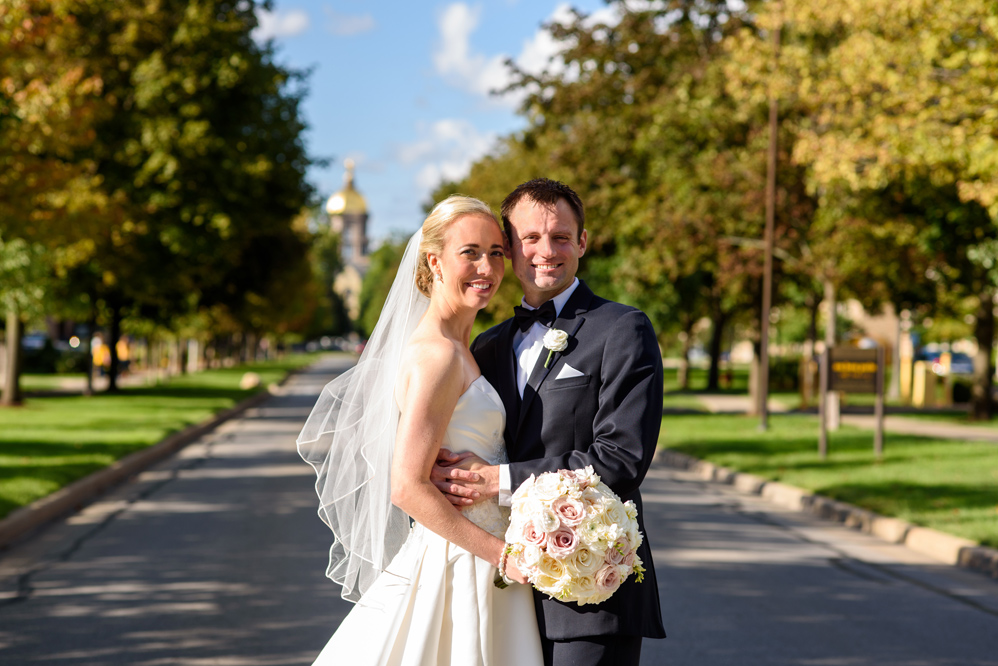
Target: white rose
x=556, y=340
x=531, y=556
x=587, y=562
x=631, y=509
x=546, y=584
x=571, y=565
x=527, y=507
x=548, y=487
x=524, y=489
x=550, y=566
x=618, y=514
x=591, y=497
x=605, y=491
x=634, y=535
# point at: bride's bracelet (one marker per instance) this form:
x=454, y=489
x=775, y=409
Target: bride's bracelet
x=503, y=559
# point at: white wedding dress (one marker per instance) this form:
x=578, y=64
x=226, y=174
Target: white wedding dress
x=436, y=603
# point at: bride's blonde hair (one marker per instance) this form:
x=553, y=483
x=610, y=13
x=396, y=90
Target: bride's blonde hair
x=435, y=226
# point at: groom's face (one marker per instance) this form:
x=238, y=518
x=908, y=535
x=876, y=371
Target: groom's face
x=545, y=248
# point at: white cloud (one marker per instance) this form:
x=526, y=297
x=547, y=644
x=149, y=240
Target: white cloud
x=445, y=149
x=346, y=24
x=457, y=62
x=279, y=24
x=454, y=58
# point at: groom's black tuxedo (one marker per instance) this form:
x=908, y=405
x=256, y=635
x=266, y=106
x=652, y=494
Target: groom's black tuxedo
x=608, y=417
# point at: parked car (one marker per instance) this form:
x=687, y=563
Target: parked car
x=960, y=364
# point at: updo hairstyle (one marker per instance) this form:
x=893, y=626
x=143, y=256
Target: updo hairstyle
x=435, y=226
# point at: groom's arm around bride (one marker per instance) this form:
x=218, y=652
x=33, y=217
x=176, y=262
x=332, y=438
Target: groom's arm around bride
x=596, y=402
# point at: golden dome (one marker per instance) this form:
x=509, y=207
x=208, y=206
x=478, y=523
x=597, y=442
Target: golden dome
x=348, y=200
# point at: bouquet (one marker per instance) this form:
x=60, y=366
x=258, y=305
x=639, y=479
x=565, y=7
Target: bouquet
x=572, y=537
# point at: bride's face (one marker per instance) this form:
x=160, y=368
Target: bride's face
x=472, y=262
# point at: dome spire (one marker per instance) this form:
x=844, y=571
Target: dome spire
x=348, y=200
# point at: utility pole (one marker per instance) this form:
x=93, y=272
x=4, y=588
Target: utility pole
x=767, y=276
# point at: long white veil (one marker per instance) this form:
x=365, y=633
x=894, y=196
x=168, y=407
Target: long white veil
x=349, y=438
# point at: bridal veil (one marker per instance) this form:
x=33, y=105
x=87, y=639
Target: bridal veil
x=349, y=438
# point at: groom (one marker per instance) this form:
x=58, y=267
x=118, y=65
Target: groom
x=598, y=402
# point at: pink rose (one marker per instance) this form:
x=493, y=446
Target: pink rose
x=533, y=536
x=629, y=559
x=607, y=579
x=616, y=553
x=569, y=510
x=562, y=542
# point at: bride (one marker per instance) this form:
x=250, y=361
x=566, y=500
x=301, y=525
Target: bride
x=423, y=587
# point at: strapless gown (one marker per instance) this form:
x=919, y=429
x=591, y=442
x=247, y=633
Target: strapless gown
x=436, y=604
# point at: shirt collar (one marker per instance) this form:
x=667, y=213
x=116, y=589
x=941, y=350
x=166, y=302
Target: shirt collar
x=559, y=300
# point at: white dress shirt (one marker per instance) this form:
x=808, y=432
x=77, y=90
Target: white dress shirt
x=528, y=346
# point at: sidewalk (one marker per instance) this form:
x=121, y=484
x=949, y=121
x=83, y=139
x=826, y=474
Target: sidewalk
x=76, y=385
x=724, y=403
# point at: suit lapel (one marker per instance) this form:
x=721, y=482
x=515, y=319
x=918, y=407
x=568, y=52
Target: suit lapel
x=570, y=320
x=506, y=364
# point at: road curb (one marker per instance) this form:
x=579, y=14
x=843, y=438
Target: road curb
x=82, y=492
x=933, y=543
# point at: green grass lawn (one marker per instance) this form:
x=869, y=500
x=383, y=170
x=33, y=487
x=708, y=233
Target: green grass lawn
x=948, y=485
x=53, y=441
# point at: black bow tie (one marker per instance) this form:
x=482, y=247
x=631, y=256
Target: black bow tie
x=526, y=318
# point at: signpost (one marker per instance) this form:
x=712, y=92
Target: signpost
x=852, y=370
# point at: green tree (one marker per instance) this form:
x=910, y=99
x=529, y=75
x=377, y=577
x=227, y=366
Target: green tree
x=898, y=107
x=22, y=275
x=201, y=158
x=381, y=271
x=49, y=102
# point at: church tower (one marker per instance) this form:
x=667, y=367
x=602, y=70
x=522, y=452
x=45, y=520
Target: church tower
x=348, y=217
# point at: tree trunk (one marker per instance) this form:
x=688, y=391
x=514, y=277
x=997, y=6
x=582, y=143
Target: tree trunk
x=12, y=373
x=89, y=362
x=981, y=397
x=112, y=347
x=173, y=365
x=683, y=372
x=249, y=347
x=814, y=308
x=755, y=381
x=719, y=319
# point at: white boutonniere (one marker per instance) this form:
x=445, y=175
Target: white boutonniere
x=555, y=340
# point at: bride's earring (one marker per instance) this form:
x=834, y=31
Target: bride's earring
x=440, y=278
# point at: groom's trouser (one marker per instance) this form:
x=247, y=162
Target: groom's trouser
x=593, y=651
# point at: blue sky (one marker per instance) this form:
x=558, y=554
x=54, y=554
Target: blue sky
x=402, y=88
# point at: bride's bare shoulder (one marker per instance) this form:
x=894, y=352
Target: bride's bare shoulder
x=432, y=362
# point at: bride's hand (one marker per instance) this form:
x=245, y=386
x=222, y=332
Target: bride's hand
x=513, y=572
x=449, y=476
x=464, y=478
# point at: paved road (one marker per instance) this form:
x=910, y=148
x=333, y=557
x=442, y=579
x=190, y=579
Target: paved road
x=216, y=557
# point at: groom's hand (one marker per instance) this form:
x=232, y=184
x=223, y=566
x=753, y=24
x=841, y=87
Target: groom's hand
x=464, y=478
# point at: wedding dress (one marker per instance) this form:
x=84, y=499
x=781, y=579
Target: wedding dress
x=436, y=603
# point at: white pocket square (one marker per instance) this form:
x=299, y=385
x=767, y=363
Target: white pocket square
x=568, y=371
